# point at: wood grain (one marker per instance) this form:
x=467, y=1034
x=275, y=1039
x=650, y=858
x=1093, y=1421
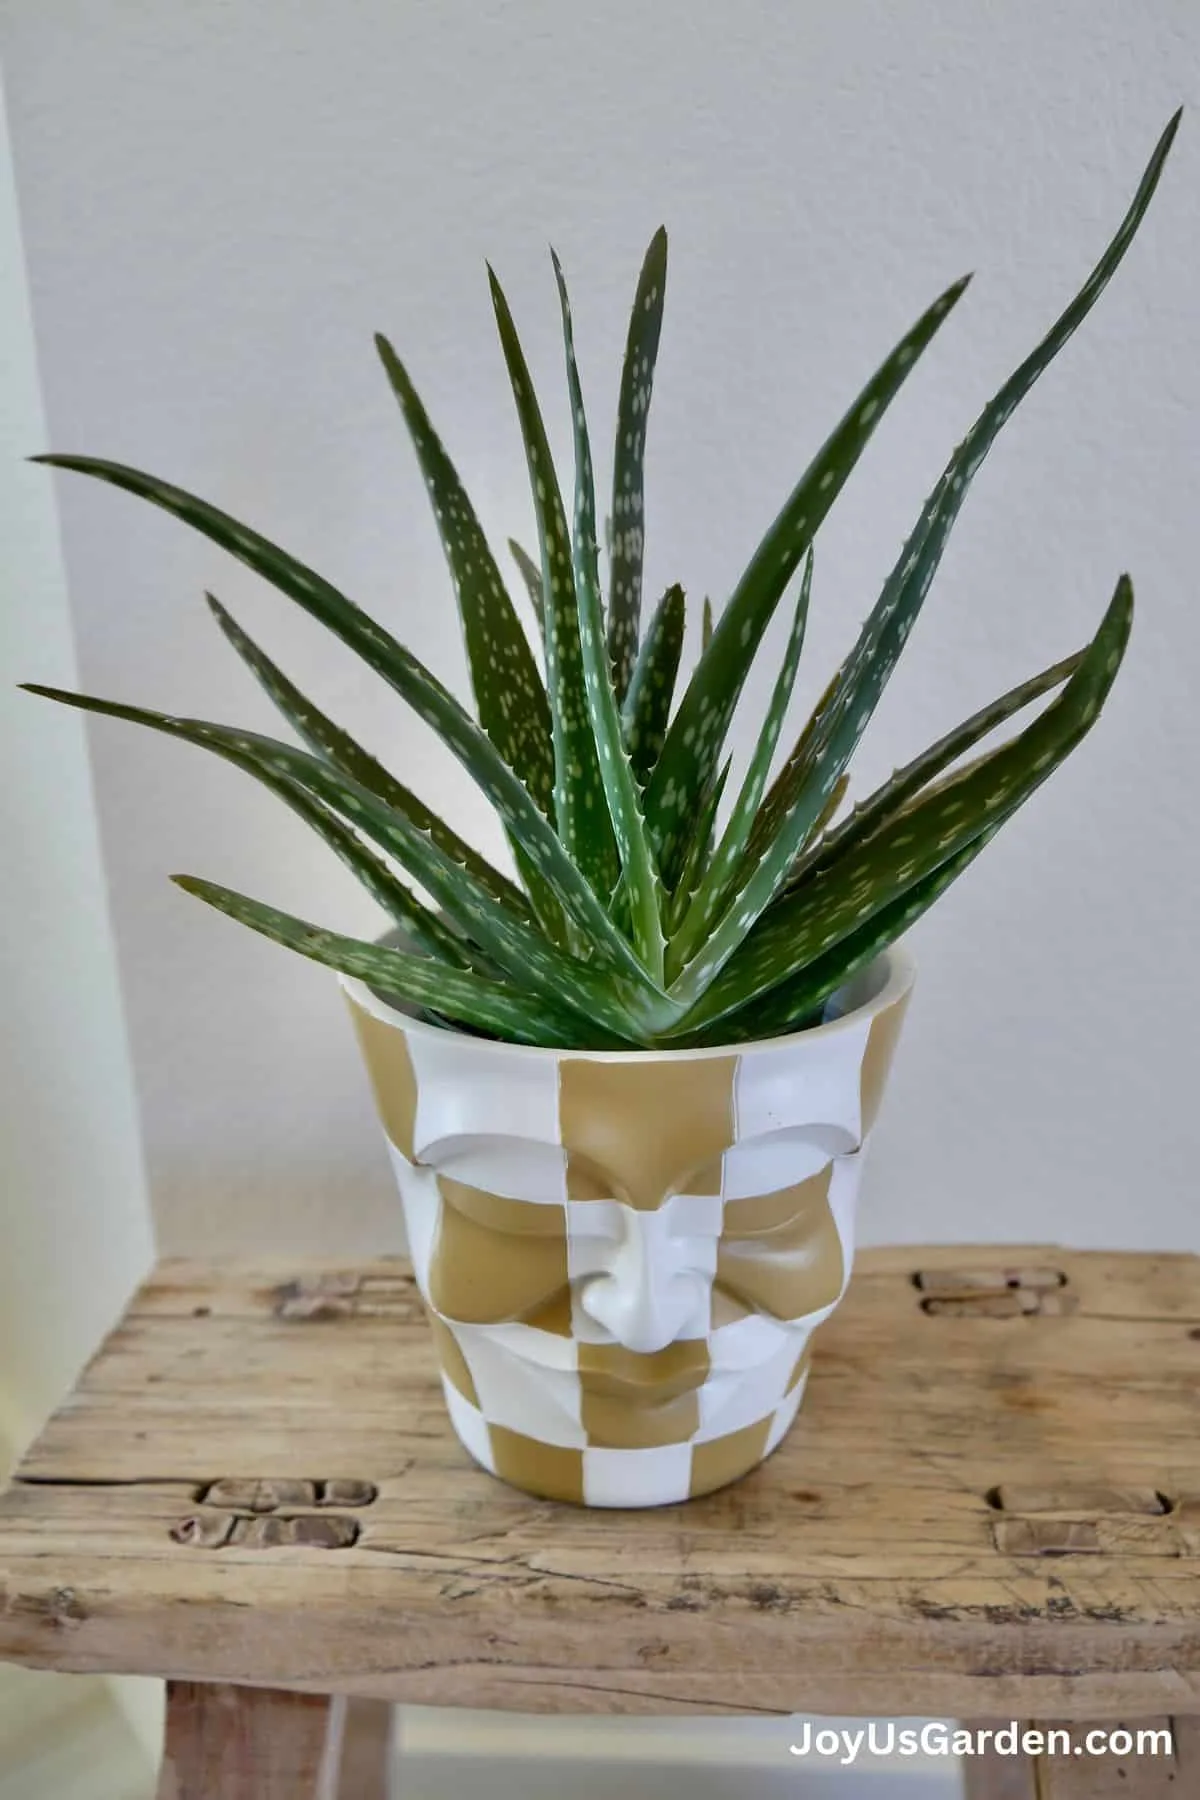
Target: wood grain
x=961, y=1522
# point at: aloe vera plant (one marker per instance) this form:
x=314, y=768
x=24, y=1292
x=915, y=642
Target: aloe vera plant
x=640, y=917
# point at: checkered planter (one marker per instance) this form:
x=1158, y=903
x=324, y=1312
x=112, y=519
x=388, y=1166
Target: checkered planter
x=624, y=1256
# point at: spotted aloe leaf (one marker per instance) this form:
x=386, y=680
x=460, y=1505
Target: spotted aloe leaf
x=873, y=871
x=621, y=791
x=627, y=520
x=580, y=809
x=798, y=1002
x=423, y=927
x=531, y=575
x=699, y=852
x=408, y=676
x=494, y=1007
x=698, y=730
x=865, y=672
x=706, y=903
x=519, y=949
x=784, y=788
x=427, y=931
x=510, y=698
x=924, y=769
x=345, y=753
x=831, y=805
x=647, y=706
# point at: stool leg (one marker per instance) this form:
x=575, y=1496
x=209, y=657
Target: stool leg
x=1142, y=1773
x=364, y=1767
x=991, y=1776
x=238, y=1743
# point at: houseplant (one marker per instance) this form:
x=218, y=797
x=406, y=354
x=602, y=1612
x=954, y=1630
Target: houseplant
x=625, y=1093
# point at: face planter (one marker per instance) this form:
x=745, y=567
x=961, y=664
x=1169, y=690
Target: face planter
x=624, y=1257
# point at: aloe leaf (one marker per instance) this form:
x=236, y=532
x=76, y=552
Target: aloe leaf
x=699, y=851
x=793, y=1003
x=345, y=753
x=424, y=927
x=490, y=1006
x=531, y=575
x=699, y=728
x=874, y=870
x=628, y=496
x=784, y=789
x=837, y=795
x=403, y=672
x=580, y=809
x=510, y=697
x=715, y=884
x=519, y=949
x=620, y=789
x=647, y=705
x=865, y=672
x=922, y=770
x=706, y=624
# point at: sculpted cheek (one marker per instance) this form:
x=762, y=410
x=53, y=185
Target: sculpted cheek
x=496, y=1260
x=781, y=1253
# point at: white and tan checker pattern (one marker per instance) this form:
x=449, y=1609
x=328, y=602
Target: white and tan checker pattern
x=623, y=1258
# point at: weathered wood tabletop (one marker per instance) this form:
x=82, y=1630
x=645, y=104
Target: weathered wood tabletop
x=990, y=1506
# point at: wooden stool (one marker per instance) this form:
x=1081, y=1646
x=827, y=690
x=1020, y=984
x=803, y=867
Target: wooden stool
x=988, y=1509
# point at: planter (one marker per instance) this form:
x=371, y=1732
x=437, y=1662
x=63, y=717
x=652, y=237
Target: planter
x=624, y=1256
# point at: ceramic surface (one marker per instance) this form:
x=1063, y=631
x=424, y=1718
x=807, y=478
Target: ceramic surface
x=624, y=1256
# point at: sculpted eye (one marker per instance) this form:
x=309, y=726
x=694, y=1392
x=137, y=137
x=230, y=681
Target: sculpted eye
x=763, y=1165
x=765, y=1214
x=495, y=1214
x=516, y=1168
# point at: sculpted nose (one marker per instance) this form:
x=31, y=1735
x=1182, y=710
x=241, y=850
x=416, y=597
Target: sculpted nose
x=645, y=1299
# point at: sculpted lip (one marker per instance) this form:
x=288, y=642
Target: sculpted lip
x=643, y=1379
x=642, y=1390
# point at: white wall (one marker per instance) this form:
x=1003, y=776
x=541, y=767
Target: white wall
x=75, y=1221
x=221, y=203
x=75, y=1232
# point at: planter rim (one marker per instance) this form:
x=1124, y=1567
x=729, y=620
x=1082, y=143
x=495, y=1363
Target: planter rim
x=896, y=964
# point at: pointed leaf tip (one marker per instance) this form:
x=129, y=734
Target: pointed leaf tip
x=953, y=293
